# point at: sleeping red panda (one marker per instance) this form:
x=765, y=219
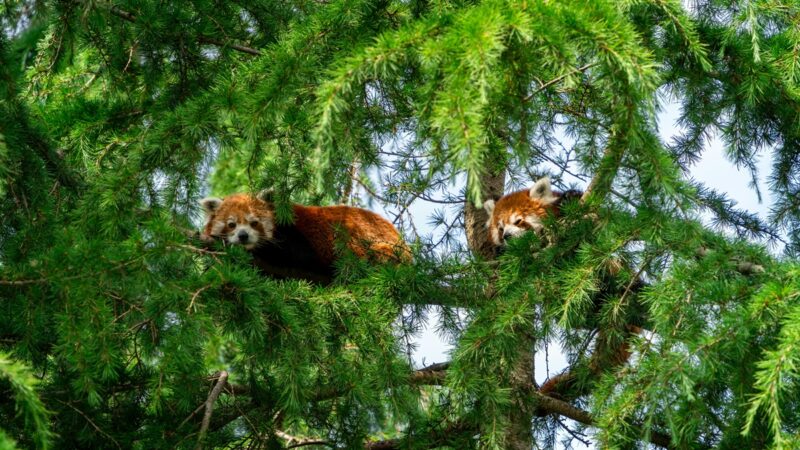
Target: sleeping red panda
x=514, y=215
x=307, y=247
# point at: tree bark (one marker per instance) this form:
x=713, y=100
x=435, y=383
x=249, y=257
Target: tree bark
x=519, y=435
x=475, y=218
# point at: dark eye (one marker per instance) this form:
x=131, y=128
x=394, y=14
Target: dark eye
x=518, y=222
x=232, y=225
x=254, y=223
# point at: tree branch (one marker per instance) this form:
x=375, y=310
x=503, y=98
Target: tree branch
x=430, y=375
x=558, y=79
x=300, y=441
x=433, y=374
x=209, y=408
x=550, y=405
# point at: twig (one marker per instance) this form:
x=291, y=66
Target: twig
x=742, y=266
x=194, y=413
x=237, y=47
x=209, y=407
x=192, y=248
x=610, y=158
x=299, y=441
x=558, y=79
x=194, y=297
x=575, y=434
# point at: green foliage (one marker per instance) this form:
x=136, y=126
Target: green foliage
x=28, y=404
x=115, y=118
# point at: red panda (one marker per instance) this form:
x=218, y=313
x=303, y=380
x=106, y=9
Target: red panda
x=515, y=214
x=306, y=248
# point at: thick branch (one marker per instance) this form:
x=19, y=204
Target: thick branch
x=434, y=438
x=435, y=374
x=431, y=375
x=550, y=405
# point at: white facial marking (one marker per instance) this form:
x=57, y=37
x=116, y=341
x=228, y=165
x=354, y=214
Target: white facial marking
x=245, y=235
x=535, y=222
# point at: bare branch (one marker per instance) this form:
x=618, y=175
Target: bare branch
x=209, y=408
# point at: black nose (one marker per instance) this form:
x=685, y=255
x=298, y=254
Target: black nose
x=507, y=235
x=243, y=236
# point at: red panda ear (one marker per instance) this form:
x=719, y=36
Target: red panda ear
x=488, y=205
x=211, y=204
x=266, y=195
x=542, y=191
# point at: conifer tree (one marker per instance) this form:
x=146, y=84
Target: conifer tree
x=119, y=329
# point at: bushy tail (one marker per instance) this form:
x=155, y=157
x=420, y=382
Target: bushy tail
x=391, y=252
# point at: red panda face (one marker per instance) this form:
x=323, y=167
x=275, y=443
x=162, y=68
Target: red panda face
x=514, y=214
x=239, y=219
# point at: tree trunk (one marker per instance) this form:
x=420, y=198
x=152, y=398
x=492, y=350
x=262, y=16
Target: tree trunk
x=475, y=218
x=518, y=435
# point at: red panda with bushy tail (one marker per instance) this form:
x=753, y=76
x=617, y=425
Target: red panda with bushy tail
x=306, y=248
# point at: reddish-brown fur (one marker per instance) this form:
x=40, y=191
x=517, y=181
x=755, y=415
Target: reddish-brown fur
x=519, y=203
x=366, y=234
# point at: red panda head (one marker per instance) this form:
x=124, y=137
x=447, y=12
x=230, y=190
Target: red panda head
x=239, y=219
x=516, y=213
